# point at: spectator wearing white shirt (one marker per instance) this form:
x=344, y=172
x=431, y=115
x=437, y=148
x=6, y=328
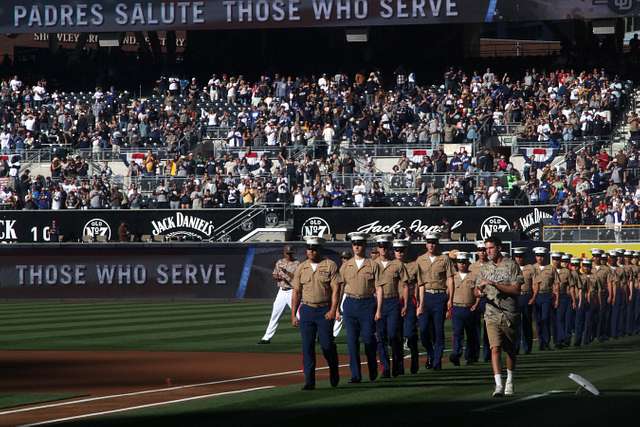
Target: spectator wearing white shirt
x=495, y=192
x=358, y=192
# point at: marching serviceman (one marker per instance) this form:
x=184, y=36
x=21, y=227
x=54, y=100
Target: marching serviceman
x=391, y=284
x=316, y=287
x=617, y=284
x=500, y=280
x=464, y=314
x=482, y=329
x=359, y=308
x=630, y=269
x=636, y=294
x=525, y=301
x=283, y=275
x=545, y=282
x=603, y=272
x=337, y=325
x=563, y=304
x=588, y=301
x=574, y=267
x=409, y=319
x=435, y=279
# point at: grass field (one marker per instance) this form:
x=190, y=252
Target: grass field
x=455, y=396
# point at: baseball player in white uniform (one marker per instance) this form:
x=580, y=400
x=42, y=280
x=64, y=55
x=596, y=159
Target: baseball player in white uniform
x=283, y=275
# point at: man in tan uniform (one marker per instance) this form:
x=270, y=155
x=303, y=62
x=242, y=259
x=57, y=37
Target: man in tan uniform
x=481, y=259
x=636, y=295
x=630, y=269
x=464, y=314
x=391, y=284
x=435, y=279
x=316, y=285
x=501, y=281
x=525, y=302
x=618, y=284
x=545, y=283
x=603, y=273
x=359, y=308
x=409, y=303
x=588, y=301
x=563, y=302
x=282, y=274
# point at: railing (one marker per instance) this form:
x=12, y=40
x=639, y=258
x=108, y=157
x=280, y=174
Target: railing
x=617, y=233
x=564, y=146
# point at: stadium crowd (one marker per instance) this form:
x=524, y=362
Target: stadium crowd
x=320, y=114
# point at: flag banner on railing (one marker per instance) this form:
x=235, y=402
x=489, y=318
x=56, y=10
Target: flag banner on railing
x=539, y=156
x=133, y=157
x=253, y=157
x=417, y=155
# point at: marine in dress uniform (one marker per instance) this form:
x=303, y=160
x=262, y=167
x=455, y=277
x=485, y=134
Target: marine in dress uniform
x=315, y=288
x=435, y=279
x=545, y=282
x=574, y=266
x=563, y=305
x=602, y=271
x=525, y=302
x=337, y=325
x=617, y=285
x=636, y=294
x=501, y=281
x=630, y=269
x=464, y=312
x=391, y=283
x=283, y=275
x=481, y=259
x=359, y=308
x=409, y=317
x=588, y=302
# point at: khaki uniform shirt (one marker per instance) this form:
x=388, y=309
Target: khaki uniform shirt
x=289, y=267
x=317, y=286
x=618, y=277
x=463, y=289
x=636, y=275
x=359, y=282
x=545, y=277
x=566, y=280
x=500, y=306
x=434, y=275
x=527, y=274
x=602, y=272
x=476, y=267
x=631, y=274
x=589, y=283
x=412, y=271
x=392, y=278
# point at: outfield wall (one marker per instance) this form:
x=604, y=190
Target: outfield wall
x=183, y=270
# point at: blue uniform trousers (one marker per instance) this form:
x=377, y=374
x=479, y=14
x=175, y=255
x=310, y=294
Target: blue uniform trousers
x=604, y=317
x=562, y=319
x=464, y=321
x=582, y=322
x=526, y=316
x=435, y=308
x=617, y=313
x=543, y=319
x=314, y=325
x=593, y=317
x=388, y=330
x=631, y=313
x=410, y=332
x=636, y=293
x=358, y=315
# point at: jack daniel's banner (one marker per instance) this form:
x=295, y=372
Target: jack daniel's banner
x=483, y=222
x=29, y=16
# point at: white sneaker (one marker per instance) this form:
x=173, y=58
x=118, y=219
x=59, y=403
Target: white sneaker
x=508, y=389
x=499, y=391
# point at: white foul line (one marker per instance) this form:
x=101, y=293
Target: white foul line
x=160, y=390
x=513, y=402
x=149, y=405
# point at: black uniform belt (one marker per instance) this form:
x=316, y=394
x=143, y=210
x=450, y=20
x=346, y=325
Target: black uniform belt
x=317, y=305
x=358, y=296
x=458, y=304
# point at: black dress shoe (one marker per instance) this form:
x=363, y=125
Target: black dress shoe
x=386, y=374
x=454, y=359
x=373, y=375
x=264, y=342
x=428, y=365
x=334, y=377
x=309, y=387
x=355, y=381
